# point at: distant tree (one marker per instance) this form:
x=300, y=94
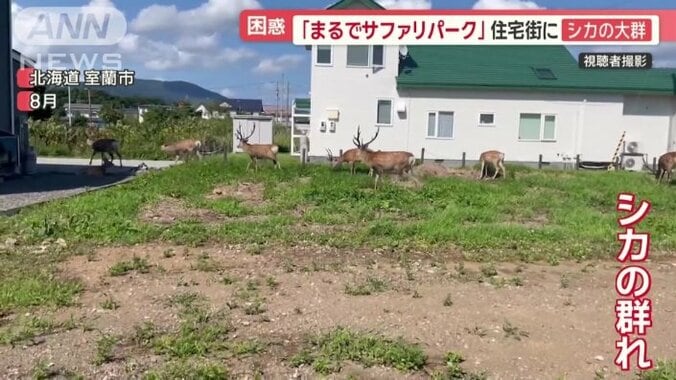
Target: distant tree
x=79, y=121
x=110, y=113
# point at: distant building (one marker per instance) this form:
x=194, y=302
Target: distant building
x=142, y=109
x=82, y=109
x=244, y=106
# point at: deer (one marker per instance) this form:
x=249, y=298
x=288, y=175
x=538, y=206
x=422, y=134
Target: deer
x=257, y=151
x=494, y=158
x=665, y=165
x=380, y=162
x=350, y=156
x=102, y=146
x=183, y=147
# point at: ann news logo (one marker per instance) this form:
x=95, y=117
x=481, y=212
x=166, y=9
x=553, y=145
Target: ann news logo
x=68, y=26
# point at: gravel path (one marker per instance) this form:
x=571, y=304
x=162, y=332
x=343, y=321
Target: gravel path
x=60, y=178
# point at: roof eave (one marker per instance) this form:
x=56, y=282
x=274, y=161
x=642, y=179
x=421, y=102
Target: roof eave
x=428, y=86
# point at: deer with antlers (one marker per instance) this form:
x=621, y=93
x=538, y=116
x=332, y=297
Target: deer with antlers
x=350, y=156
x=380, y=162
x=665, y=164
x=494, y=158
x=257, y=151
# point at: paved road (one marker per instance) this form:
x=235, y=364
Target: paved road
x=62, y=177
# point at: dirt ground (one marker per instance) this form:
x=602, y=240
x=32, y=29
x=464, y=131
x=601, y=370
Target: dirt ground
x=561, y=317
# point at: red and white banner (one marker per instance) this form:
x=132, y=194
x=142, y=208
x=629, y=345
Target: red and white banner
x=459, y=27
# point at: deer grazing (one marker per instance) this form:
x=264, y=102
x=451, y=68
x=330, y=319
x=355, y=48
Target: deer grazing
x=257, y=151
x=102, y=146
x=183, y=147
x=494, y=158
x=399, y=162
x=665, y=164
x=350, y=156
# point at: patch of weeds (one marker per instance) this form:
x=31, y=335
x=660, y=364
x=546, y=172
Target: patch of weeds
x=416, y=294
x=513, y=331
x=565, y=281
x=27, y=328
x=169, y=253
x=328, y=351
x=489, y=270
x=599, y=375
x=144, y=334
x=186, y=300
x=105, y=349
x=370, y=286
x=110, y=304
x=663, y=370
x=124, y=267
x=478, y=331
x=516, y=281
x=553, y=260
x=205, y=263
x=246, y=348
x=498, y=282
x=448, y=301
x=44, y=370
x=254, y=249
x=453, y=371
x=189, y=371
x=464, y=275
x=254, y=307
x=288, y=265
x=199, y=334
x=227, y=280
x=272, y=283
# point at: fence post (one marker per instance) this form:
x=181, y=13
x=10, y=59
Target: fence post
x=303, y=156
x=654, y=163
x=340, y=152
x=463, y=159
x=540, y=162
x=577, y=162
x=422, y=156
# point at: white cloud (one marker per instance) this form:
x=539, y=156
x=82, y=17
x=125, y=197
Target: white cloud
x=198, y=43
x=228, y=93
x=405, y=4
x=279, y=64
x=211, y=16
x=506, y=4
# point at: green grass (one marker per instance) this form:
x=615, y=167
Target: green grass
x=539, y=215
x=189, y=370
x=327, y=352
x=663, y=370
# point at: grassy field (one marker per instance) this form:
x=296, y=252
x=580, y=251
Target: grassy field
x=533, y=217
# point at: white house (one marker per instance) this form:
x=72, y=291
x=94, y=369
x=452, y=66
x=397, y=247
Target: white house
x=526, y=101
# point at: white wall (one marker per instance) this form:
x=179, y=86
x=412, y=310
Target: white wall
x=586, y=124
x=262, y=134
x=354, y=92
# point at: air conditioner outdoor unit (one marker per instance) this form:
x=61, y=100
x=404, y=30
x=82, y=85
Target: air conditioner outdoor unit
x=633, y=147
x=634, y=164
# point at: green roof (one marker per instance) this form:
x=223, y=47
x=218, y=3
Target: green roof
x=522, y=67
x=355, y=4
x=303, y=103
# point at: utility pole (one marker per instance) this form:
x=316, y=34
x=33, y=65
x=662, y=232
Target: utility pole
x=89, y=96
x=70, y=113
x=277, y=105
x=288, y=104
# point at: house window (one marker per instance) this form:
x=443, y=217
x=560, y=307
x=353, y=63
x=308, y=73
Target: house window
x=365, y=56
x=537, y=127
x=323, y=54
x=378, y=56
x=486, y=120
x=440, y=125
x=384, y=112
x=358, y=56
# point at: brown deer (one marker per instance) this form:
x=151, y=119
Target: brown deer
x=350, y=156
x=183, y=147
x=494, y=158
x=399, y=162
x=257, y=151
x=102, y=146
x=665, y=164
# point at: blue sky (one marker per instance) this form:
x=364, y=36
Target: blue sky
x=198, y=40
